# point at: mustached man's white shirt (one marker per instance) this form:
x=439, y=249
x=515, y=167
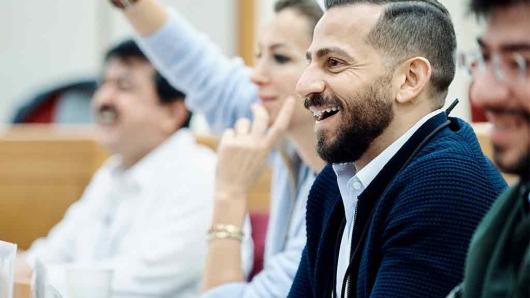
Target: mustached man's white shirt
x=148, y=223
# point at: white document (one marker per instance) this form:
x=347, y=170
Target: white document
x=8, y=253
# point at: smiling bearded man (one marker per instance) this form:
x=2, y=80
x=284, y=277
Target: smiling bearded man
x=367, y=116
x=393, y=214
x=498, y=261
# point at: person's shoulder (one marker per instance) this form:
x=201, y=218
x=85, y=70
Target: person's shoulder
x=187, y=151
x=326, y=175
x=104, y=172
x=202, y=160
x=323, y=194
x=505, y=203
x=456, y=148
x=452, y=162
x=325, y=183
x=182, y=165
x=457, y=140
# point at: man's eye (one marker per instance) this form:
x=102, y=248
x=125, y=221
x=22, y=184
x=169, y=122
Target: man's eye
x=281, y=59
x=332, y=63
x=485, y=56
x=519, y=61
x=122, y=85
x=514, y=64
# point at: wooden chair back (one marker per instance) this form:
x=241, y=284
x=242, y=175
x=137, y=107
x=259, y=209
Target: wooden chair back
x=43, y=170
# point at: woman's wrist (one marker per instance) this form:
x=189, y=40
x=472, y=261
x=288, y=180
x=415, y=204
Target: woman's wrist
x=222, y=231
x=229, y=210
x=146, y=16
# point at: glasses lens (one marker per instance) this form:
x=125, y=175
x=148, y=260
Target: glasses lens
x=509, y=67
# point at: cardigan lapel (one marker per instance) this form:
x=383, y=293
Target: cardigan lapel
x=379, y=188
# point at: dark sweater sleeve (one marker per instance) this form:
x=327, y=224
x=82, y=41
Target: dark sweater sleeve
x=301, y=287
x=429, y=226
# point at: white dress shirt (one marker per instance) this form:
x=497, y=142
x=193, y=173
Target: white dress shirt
x=351, y=185
x=148, y=223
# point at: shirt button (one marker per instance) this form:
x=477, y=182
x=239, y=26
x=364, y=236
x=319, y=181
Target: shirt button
x=357, y=185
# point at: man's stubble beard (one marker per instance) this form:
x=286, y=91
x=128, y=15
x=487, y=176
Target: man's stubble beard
x=520, y=168
x=363, y=118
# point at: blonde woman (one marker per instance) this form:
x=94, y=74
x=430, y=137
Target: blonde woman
x=225, y=91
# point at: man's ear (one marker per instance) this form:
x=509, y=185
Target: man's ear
x=178, y=113
x=413, y=78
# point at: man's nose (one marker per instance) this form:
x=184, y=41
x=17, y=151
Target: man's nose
x=103, y=95
x=310, y=82
x=487, y=90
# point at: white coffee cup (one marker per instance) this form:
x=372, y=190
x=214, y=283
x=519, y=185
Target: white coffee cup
x=89, y=282
x=8, y=252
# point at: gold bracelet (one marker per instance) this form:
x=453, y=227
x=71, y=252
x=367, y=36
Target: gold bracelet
x=221, y=231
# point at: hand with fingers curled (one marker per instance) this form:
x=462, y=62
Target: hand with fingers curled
x=243, y=150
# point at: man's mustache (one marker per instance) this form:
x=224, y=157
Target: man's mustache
x=106, y=114
x=322, y=100
x=106, y=108
x=512, y=112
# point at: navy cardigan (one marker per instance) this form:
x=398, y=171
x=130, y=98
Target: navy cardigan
x=417, y=220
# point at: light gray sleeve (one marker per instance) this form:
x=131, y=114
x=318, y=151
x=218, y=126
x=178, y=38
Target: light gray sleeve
x=214, y=85
x=277, y=276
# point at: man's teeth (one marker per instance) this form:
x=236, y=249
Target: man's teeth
x=319, y=114
x=501, y=126
x=107, y=117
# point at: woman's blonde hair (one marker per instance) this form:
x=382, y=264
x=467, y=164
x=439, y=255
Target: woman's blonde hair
x=307, y=8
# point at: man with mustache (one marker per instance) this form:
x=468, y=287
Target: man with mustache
x=498, y=261
x=146, y=211
x=393, y=214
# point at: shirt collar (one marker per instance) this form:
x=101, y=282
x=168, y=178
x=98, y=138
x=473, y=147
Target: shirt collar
x=346, y=179
x=140, y=174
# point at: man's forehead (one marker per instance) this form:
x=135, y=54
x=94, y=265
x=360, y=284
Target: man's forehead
x=348, y=24
x=508, y=26
x=129, y=67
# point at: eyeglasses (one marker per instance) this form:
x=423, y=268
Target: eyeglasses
x=509, y=67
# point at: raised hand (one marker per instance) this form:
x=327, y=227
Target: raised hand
x=146, y=16
x=243, y=151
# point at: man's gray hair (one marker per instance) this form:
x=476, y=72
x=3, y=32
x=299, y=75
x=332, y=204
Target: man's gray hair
x=410, y=28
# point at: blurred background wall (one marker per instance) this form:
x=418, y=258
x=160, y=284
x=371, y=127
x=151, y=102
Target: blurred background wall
x=43, y=42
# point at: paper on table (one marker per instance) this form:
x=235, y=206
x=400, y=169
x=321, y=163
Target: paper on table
x=41, y=287
x=8, y=253
x=39, y=280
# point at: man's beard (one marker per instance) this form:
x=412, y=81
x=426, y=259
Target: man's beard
x=520, y=168
x=364, y=117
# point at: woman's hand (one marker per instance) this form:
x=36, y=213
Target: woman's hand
x=242, y=155
x=146, y=16
x=243, y=151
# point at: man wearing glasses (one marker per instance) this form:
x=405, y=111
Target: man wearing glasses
x=498, y=262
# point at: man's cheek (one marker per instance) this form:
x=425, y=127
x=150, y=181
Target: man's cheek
x=525, y=96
